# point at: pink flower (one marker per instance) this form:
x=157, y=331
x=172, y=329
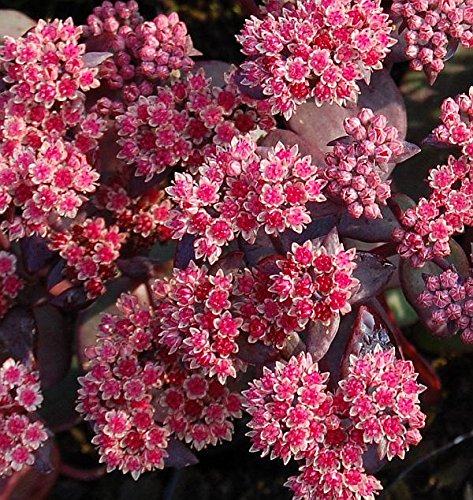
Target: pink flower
x=241, y=190
x=199, y=321
x=138, y=395
x=200, y=412
x=46, y=143
x=90, y=250
x=294, y=416
x=181, y=124
x=306, y=50
x=21, y=434
x=456, y=128
x=309, y=284
x=10, y=282
x=427, y=227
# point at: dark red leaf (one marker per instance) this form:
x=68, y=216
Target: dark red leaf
x=180, y=455
x=184, y=251
x=14, y=23
x=53, y=345
x=82, y=474
x=140, y=268
x=318, y=337
x=332, y=360
x=35, y=253
x=257, y=353
x=228, y=263
x=16, y=334
x=263, y=247
x=72, y=299
x=215, y=70
x=382, y=95
x=94, y=59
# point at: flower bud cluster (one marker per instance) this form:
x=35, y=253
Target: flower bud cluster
x=144, y=53
x=358, y=166
x=451, y=298
x=432, y=30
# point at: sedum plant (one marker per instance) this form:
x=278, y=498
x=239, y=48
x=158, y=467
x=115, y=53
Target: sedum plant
x=268, y=186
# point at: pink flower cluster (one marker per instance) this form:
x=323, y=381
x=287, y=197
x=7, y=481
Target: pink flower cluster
x=428, y=226
x=181, y=123
x=21, y=434
x=47, y=137
x=90, y=250
x=314, y=49
x=117, y=392
x=199, y=321
x=295, y=416
x=10, y=282
x=198, y=410
x=138, y=395
x=144, y=52
x=432, y=29
x=457, y=125
x=451, y=298
x=315, y=282
x=359, y=165
x=240, y=190
x=143, y=218
x=312, y=283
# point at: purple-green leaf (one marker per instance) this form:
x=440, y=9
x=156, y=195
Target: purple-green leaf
x=368, y=230
x=373, y=273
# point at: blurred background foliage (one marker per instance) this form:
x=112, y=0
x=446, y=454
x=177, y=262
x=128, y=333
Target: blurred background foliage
x=441, y=467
